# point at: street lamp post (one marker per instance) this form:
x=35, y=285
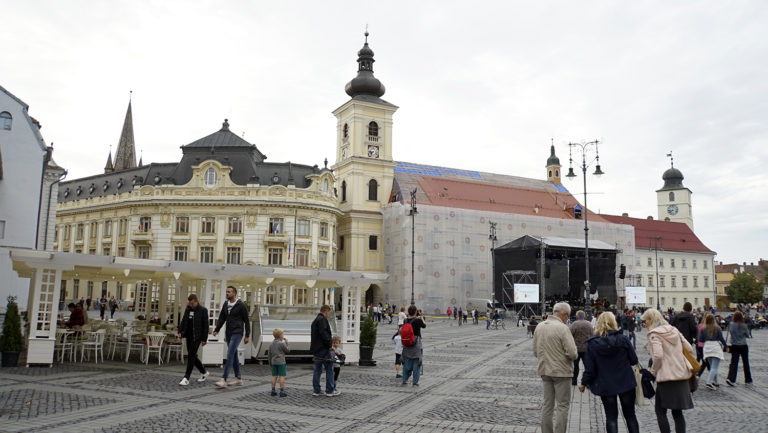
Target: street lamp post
x=598, y=172
x=413, y=241
x=656, y=241
x=492, y=238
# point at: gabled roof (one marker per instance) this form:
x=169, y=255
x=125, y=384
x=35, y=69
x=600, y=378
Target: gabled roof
x=674, y=236
x=467, y=189
x=33, y=124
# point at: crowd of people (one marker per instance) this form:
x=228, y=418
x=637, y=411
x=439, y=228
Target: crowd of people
x=606, y=347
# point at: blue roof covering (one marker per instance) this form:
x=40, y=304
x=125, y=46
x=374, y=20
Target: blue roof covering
x=560, y=188
x=577, y=207
x=431, y=170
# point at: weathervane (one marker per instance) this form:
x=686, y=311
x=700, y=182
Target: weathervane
x=671, y=159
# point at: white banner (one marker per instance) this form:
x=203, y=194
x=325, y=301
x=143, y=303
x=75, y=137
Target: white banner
x=526, y=293
x=634, y=295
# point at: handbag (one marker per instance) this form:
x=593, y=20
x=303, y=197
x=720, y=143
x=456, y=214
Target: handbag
x=639, y=397
x=692, y=360
x=648, y=379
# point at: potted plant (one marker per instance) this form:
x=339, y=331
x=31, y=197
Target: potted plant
x=11, y=342
x=367, y=339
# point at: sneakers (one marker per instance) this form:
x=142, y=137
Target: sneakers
x=749, y=383
x=316, y=394
x=712, y=387
x=221, y=383
x=334, y=393
x=204, y=376
x=415, y=384
x=728, y=381
x=235, y=382
x=283, y=393
x=398, y=376
x=404, y=383
x=184, y=382
x=273, y=393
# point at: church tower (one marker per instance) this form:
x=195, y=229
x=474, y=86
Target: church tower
x=364, y=167
x=674, y=199
x=553, y=167
x=125, y=157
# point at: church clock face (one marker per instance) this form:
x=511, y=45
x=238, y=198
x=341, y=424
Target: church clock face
x=373, y=151
x=672, y=209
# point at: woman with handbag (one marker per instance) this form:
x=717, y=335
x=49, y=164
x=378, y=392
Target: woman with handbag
x=700, y=346
x=671, y=368
x=608, y=373
x=738, y=331
x=713, y=340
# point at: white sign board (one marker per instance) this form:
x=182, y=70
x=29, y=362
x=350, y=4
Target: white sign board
x=526, y=293
x=634, y=295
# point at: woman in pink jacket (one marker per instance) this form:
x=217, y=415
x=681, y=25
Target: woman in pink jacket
x=672, y=370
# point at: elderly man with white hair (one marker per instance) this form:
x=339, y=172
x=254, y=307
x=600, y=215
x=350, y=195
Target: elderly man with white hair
x=555, y=349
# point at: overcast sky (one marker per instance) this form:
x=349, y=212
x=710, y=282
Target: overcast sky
x=480, y=85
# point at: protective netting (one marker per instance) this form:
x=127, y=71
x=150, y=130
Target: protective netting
x=453, y=252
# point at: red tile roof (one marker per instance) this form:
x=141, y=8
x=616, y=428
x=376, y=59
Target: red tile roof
x=674, y=236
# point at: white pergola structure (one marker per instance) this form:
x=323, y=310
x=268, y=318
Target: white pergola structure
x=162, y=286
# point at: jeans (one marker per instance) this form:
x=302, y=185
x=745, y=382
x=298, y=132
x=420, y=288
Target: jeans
x=739, y=350
x=192, y=359
x=661, y=418
x=557, y=391
x=627, y=400
x=582, y=358
x=411, y=365
x=233, y=341
x=633, y=337
x=320, y=365
x=713, y=364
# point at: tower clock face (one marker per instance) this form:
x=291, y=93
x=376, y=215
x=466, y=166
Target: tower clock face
x=672, y=209
x=373, y=151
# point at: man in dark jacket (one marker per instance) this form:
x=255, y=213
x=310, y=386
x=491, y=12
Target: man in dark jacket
x=235, y=314
x=686, y=323
x=321, y=346
x=194, y=328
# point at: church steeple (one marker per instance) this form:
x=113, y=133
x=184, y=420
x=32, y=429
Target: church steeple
x=125, y=157
x=109, y=168
x=365, y=83
x=553, y=166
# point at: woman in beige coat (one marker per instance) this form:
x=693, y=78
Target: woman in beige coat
x=671, y=369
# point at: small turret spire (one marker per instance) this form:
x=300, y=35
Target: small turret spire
x=109, y=167
x=365, y=83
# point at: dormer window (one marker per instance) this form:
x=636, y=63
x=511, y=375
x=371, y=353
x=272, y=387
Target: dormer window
x=373, y=129
x=210, y=177
x=5, y=121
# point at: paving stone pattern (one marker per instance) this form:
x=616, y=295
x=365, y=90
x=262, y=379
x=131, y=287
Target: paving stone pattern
x=474, y=380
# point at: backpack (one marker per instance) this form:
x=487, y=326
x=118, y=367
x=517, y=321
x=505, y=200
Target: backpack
x=406, y=334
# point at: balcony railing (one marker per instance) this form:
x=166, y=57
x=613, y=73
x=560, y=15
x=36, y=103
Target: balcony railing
x=372, y=138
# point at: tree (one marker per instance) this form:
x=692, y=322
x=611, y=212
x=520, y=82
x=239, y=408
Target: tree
x=368, y=330
x=745, y=288
x=12, y=340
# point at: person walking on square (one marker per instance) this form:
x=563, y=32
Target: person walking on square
x=412, y=352
x=235, y=314
x=686, y=323
x=448, y=312
x=738, y=330
x=466, y=313
x=277, y=351
x=112, y=307
x=714, y=343
x=555, y=350
x=581, y=330
x=194, y=328
x=671, y=369
x=103, y=306
x=460, y=315
x=338, y=359
x=700, y=346
x=401, y=316
x=321, y=346
x=455, y=313
x=398, y=340
x=608, y=373
x=630, y=327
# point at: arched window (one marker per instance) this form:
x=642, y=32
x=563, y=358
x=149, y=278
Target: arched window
x=373, y=190
x=557, y=173
x=325, y=185
x=550, y=173
x=671, y=196
x=373, y=129
x=210, y=177
x=343, y=190
x=5, y=120
x=346, y=130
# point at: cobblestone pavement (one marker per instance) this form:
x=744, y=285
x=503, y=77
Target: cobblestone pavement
x=474, y=380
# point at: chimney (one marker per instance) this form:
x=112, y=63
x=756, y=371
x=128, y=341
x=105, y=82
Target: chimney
x=625, y=214
x=650, y=217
